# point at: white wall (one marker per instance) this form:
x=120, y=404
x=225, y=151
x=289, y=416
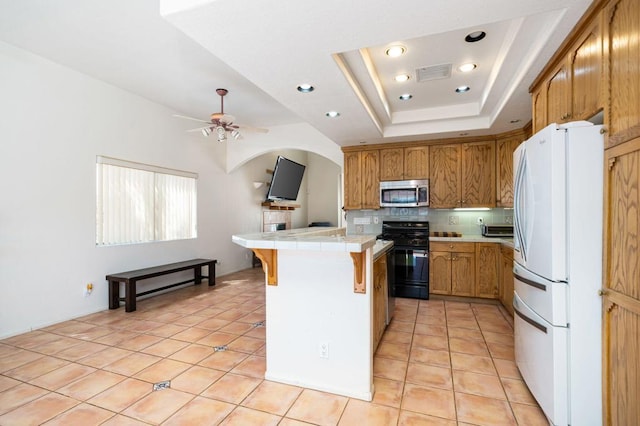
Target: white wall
x=54, y=123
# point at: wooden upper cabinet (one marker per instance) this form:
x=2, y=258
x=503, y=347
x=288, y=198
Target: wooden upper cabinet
x=586, y=72
x=361, y=180
x=416, y=162
x=504, y=168
x=392, y=164
x=621, y=48
x=478, y=174
x=462, y=175
x=558, y=95
x=444, y=176
x=539, y=108
x=404, y=163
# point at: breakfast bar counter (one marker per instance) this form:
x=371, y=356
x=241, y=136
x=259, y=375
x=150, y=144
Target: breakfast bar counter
x=319, y=298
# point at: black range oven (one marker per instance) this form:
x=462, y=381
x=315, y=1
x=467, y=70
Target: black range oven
x=411, y=257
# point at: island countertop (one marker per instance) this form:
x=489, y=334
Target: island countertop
x=314, y=238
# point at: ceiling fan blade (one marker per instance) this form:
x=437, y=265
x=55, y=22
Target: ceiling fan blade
x=252, y=129
x=191, y=118
x=199, y=129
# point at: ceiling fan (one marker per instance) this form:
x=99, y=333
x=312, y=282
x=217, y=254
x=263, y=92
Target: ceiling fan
x=220, y=123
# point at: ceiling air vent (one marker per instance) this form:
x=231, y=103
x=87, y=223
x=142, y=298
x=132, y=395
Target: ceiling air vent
x=433, y=72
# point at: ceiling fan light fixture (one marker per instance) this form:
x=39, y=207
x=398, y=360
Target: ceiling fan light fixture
x=401, y=78
x=467, y=67
x=395, y=51
x=222, y=133
x=305, y=88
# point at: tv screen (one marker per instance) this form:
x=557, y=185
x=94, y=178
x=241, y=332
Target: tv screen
x=286, y=180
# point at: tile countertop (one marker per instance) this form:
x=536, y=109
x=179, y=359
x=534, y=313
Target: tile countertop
x=314, y=238
x=476, y=239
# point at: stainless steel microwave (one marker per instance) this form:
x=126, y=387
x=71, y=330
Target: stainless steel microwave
x=404, y=193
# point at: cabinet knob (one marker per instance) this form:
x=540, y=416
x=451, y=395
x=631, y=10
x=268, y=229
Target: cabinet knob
x=603, y=130
x=602, y=292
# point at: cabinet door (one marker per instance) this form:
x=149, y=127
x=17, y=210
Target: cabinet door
x=478, y=174
x=558, y=95
x=504, y=169
x=538, y=103
x=370, y=180
x=444, y=176
x=506, y=280
x=392, y=164
x=621, y=320
x=487, y=262
x=352, y=180
x=440, y=272
x=379, y=299
x=463, y=273
x=416, y=162
x=586, y=73
x=621, y=28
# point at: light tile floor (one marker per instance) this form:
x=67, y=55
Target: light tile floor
x=439, y=363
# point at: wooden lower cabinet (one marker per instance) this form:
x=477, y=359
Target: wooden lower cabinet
x=487, y=261
x=379, y=299
x=621, y=295
x=452, y=268
x=506, y=278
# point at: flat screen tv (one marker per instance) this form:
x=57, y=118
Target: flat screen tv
x=287, y=177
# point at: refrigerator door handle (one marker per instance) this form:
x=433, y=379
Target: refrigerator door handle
x=530, y=282
x=517, y=205
x=529, y=320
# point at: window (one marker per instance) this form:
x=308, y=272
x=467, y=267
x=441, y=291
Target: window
x=139, y=203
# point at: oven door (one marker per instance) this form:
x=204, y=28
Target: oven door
x=411, y=272
x=541, y=352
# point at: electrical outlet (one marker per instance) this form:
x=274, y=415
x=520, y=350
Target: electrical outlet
x=454, y=220
x=480, y=221
x=359, y=229
x=324, y=349
x=376, y=220
x=88, y=289
x=508, y=219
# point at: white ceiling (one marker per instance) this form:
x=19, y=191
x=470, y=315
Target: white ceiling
x=177, y=52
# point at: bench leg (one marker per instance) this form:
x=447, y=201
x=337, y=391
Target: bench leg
x=212, y=273
x=114, y=294
x=130, y=296
x=197, y=275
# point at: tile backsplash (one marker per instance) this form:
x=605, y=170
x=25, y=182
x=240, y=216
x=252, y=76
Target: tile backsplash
x=461, y=221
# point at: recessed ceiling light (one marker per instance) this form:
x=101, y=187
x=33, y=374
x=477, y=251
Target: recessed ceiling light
x=401, y=78
x=463, y=89
x=332, y=114
x=475, y=36
x=405, y=96
x=395, y=51
x=305, y=88
x=467, y=67
x=514, y=121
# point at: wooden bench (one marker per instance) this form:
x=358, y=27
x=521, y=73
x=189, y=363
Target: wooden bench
x=130, y=278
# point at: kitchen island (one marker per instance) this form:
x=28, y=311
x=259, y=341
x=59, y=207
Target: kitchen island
x=319, y=307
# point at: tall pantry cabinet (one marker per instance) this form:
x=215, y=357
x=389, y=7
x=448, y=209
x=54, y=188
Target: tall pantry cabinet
x=601, y=64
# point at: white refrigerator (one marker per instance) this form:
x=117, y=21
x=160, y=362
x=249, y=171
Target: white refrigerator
x=558, y=203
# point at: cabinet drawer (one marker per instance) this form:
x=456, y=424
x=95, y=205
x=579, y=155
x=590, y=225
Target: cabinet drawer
x=452, y=246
